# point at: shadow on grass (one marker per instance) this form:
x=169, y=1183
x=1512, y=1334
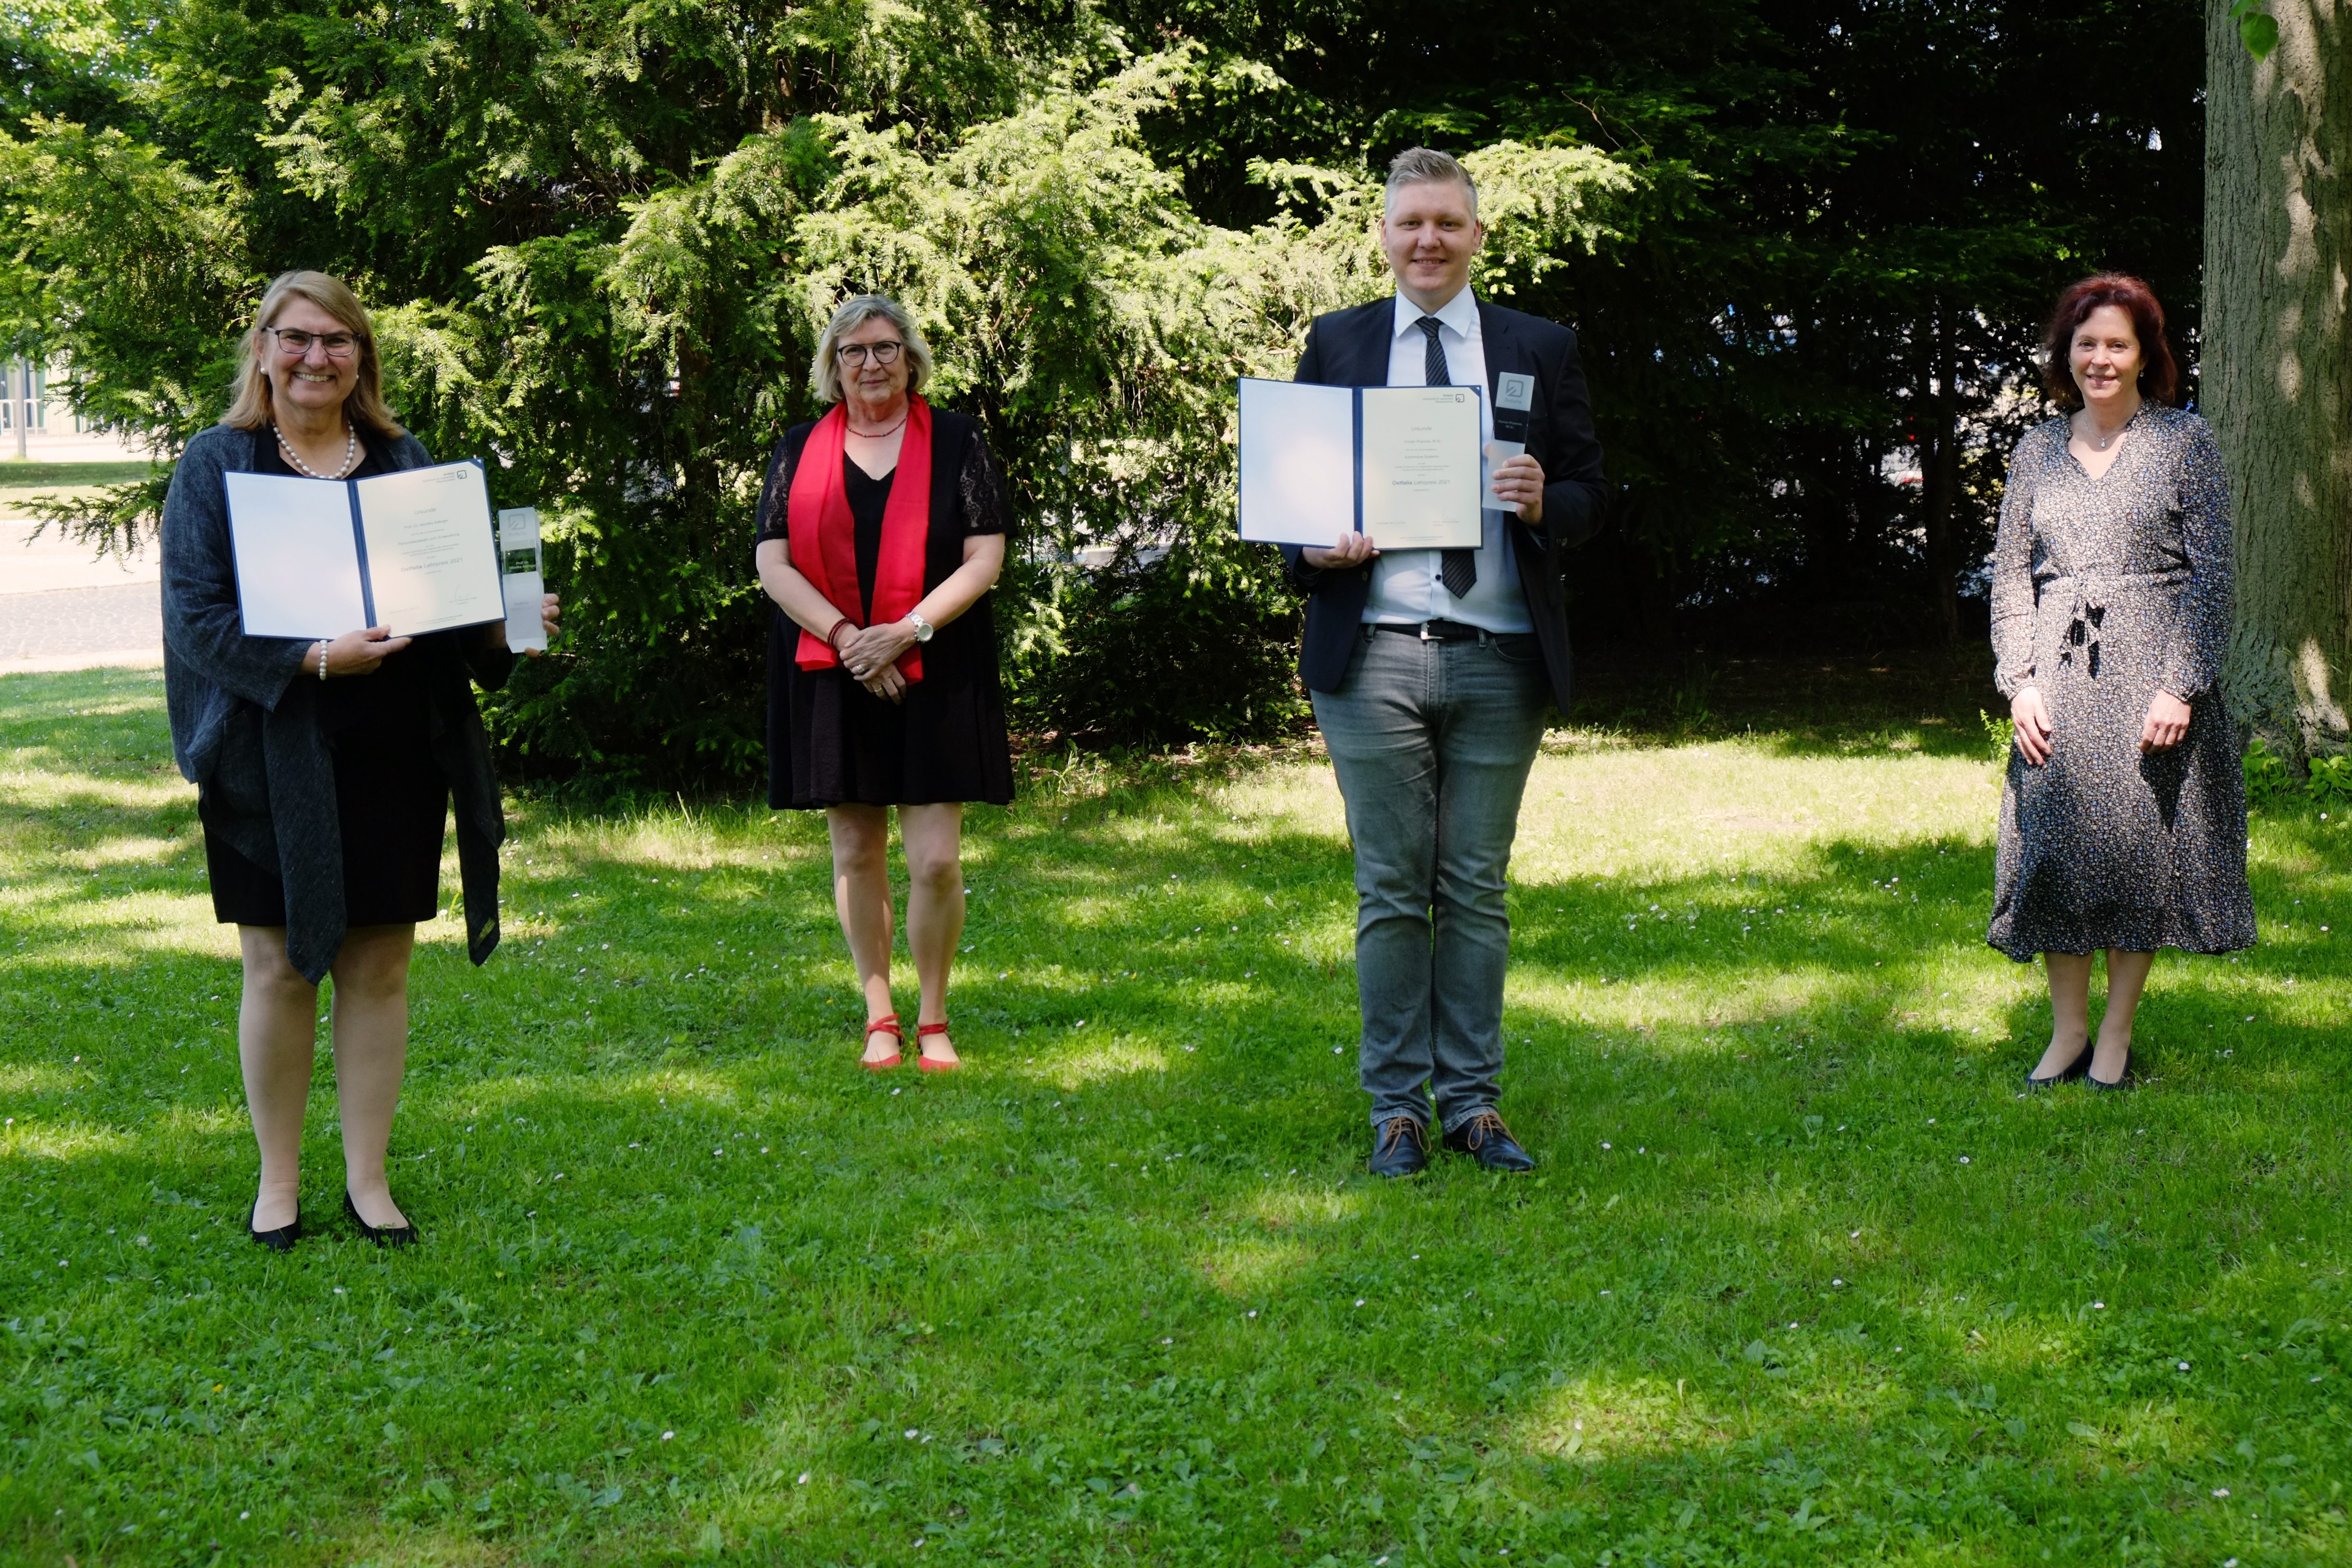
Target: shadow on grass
x=1899, y=702
x=1802, y=1277
x=781, y=1267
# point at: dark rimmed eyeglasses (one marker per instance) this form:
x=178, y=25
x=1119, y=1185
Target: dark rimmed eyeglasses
x=294, y=342
x=854, y=354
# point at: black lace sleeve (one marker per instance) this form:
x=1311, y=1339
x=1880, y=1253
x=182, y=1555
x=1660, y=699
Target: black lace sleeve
x=981, y=490
x=779, y=488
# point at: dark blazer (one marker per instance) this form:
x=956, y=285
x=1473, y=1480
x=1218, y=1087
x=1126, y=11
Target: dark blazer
x=245, y=717
x=1350, y=348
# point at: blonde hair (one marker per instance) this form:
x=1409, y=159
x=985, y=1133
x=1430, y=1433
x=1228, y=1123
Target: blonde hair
x=364, y=406
x=1426, y=165
x=824, y=371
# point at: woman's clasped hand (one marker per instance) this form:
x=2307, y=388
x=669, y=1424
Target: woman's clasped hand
x=872, y=655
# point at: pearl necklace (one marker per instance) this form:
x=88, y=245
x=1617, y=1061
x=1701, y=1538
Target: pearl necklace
x=351, y=446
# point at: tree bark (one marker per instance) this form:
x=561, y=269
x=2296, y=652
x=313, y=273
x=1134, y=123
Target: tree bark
x=2275, y=379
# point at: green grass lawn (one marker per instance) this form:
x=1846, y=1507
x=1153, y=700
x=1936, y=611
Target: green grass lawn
x=1803, y=1277
x=21, y=482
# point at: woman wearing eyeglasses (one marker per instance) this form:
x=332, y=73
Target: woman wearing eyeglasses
x=882, y=528
x=323, y=770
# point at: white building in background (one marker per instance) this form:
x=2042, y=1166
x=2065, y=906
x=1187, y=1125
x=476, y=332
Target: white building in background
x=28, y=405
x=37, y=421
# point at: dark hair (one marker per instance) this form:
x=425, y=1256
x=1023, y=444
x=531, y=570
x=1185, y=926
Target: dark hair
x=2160, y=375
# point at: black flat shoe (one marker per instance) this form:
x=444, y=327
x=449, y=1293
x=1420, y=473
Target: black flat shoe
x=2123, y=1081
x=283, y=1238
x=1400, y=1150
x=2080, y=1068
x=1485, y=1139
x=382, y=1234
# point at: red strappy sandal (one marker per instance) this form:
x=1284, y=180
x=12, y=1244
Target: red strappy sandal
x=888, y=1024
x=924, y=1063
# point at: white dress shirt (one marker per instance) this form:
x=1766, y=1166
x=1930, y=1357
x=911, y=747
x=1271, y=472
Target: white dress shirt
x=1406, y=585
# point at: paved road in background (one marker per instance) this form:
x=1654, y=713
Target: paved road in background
x=72, y=628
x=60, y=606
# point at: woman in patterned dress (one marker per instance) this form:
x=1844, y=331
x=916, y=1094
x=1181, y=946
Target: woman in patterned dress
x=2123, y=824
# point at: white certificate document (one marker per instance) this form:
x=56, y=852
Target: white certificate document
x=297, y=560
x=1400, y=464
x=414, y=551
x=1423, y=487
x=1297, y=462
x=431, y=551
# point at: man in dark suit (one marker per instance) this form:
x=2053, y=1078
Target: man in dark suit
x=1431, y=671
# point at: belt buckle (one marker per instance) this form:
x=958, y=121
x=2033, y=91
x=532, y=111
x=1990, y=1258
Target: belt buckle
x=1424, y=633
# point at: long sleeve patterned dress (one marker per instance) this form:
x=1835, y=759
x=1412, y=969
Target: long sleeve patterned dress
x=2105, y=591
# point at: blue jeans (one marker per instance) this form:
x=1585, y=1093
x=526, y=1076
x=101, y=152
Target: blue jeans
x=1432, y=742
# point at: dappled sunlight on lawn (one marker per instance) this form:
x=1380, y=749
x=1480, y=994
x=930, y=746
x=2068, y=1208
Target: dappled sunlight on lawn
x=128, y=850
x=29, y=790
x=642, y=1091
x=1243, y=1270
x=27, y=1078
x=1089, y=1064
x=1281, y=1204
x=429, y=1528
x=1607, y=1415
x=65, y=1142
x=155, y=926
x=227, y=1119
x=1821, y=1282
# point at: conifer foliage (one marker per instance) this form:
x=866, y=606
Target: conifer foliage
x=600, y=238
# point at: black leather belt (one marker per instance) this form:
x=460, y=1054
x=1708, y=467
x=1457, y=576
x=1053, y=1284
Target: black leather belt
x=1450, y=631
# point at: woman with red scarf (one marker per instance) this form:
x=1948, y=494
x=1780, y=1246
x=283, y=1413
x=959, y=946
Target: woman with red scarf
x=881, y=529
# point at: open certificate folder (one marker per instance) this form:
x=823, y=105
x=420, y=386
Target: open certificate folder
x=1398, y=464
x=414, y=551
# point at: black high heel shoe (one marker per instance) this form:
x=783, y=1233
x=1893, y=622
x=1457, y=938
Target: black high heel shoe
x=2123, y=1079
x=2080, y=1067
x=283, y=1238
x=382, y=1234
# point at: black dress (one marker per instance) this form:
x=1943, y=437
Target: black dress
x=833, y=743
x=392, y=800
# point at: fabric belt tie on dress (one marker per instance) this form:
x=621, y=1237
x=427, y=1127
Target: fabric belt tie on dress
x=2093, y=593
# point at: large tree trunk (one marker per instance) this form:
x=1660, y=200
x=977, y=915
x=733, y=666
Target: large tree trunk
x=2277, y=373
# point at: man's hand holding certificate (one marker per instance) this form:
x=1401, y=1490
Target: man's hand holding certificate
x=1350, y=471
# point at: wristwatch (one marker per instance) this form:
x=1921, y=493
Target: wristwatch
x=923, y=628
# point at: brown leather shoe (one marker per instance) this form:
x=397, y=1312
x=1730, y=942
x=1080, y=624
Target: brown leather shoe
x=1400, y=1150
x=1485, y=1139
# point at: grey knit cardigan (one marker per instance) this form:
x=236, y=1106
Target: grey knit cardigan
x=245, y=718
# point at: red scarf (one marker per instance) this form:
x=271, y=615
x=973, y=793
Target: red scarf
x=822, y=536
